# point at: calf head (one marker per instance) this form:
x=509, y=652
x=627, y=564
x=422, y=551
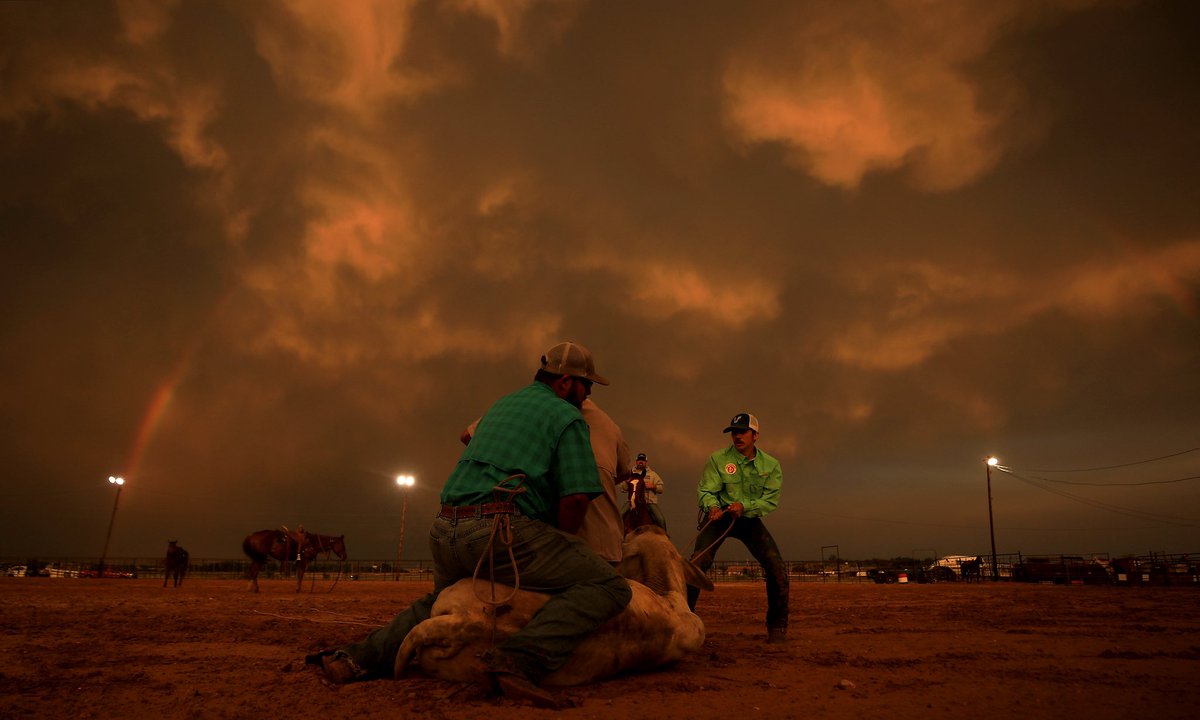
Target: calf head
x=648, y=557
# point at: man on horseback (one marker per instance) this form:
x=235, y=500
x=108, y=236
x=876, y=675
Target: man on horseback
x=530, y=469
x=740, y=484
x=652, y=488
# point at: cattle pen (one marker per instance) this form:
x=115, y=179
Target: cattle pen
x=1173, y=569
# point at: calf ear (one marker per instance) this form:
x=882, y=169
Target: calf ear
x=631, y=568
x=695, y=576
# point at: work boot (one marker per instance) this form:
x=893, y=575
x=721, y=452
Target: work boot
x=315, y=658
x=505, y=678
x=339, y=669
x=776, y=635
x=515, y=686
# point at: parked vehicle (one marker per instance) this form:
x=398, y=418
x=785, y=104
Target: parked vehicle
x=890, y=576
x=1062, y=570
x=17, y=571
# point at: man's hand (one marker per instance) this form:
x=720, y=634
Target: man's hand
x=736, y=509
x=714, y=514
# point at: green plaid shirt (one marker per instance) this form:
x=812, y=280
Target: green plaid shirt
x=730, y=478
x=533, y=432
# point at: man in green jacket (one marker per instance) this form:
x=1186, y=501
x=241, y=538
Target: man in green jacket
x=739, y=486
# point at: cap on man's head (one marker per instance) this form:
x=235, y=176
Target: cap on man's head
x=743, y=421
x=641, y=456
x=571, y=358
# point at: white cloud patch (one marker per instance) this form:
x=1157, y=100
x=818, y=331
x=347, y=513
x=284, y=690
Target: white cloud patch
x=874, y=87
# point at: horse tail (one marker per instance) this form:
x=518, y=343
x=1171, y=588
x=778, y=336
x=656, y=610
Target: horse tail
x=252, y=552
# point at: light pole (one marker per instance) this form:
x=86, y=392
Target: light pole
x=119, y=482
x=404, y=482
x=992, y=462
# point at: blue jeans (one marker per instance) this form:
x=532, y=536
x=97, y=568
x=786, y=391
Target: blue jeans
x=585, y=591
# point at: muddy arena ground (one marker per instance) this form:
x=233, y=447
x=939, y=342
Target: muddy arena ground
x=90, y=648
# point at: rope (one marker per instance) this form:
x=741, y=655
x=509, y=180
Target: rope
x=700, y=553
x=331, y=612
x=321, y=549
x=318, y=622
x=502, y=527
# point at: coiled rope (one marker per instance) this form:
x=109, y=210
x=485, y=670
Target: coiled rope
x=502, y=530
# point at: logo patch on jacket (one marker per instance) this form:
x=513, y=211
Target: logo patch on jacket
x=730, y=469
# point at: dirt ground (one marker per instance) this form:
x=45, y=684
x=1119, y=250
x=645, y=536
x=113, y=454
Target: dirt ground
x=89, y=648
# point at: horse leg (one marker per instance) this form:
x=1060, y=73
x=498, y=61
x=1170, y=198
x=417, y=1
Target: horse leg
x=300, y=565
x=255, y=566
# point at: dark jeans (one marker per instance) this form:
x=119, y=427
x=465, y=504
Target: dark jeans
x=757, y=539
x=585, y=591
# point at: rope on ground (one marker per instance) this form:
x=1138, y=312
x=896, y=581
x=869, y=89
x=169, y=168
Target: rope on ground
x=318, y=622
x=345, y=615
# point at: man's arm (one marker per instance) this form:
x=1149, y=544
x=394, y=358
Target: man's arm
x=571, y=509
x=710, y=486
x=769, y=500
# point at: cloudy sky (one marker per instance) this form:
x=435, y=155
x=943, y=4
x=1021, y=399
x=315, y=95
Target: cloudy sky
x=260, y=257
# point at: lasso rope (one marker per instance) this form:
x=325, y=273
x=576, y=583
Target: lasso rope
x=319, y=622
x=502, y=528
x=700, y=553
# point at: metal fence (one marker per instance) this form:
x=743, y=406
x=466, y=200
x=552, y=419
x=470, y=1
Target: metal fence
x=1091, y=568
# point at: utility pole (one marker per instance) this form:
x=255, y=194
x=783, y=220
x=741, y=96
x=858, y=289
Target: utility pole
x=991, y=461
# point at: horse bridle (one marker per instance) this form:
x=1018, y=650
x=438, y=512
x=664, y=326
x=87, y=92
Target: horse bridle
x=324, y=547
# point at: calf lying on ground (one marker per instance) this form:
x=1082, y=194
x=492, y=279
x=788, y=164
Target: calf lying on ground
x=655, y=629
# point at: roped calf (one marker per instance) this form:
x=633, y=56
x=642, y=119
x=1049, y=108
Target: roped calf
x=655, y=629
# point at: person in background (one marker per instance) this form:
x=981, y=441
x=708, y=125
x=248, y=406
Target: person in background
x=602, y=527
x=739, y=486
x=654, y=488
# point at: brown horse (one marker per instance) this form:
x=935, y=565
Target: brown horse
x=638, y=513
x=176, y=563
x=298, y=546
x=971, y=569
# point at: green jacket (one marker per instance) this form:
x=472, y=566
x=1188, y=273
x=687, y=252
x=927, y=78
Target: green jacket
x=729, y=478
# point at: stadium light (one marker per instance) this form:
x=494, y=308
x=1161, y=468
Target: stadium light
x=120, y=483
x=404, y=482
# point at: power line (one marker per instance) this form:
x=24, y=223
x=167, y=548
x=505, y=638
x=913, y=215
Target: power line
x=1113, y=467
x=1132, y=512
x=1114, y=484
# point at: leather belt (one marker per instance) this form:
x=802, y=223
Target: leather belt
x=478, y=511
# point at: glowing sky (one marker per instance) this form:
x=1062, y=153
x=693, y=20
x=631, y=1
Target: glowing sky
x=260, y=257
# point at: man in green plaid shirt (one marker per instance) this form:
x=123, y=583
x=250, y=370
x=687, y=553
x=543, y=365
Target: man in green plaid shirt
x=536, y=432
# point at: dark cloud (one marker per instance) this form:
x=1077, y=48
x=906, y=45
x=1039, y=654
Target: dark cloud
x=262, y=257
